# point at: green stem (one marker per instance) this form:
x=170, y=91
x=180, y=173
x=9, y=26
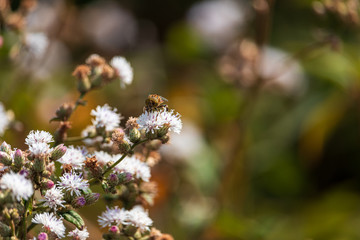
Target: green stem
x=118, y=161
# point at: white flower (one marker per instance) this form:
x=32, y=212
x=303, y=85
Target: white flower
x=123, y=69
x=73, y=157
x=38, y=137
x=54, y=197
x=104, y=157
x=138, y=217
x=105, y=117
x=39, y=148
x=154, y=120
x=79, y=234
x=50, y=223
x=73, y=183
x=135, y=167
x=20, y=186
x=5, y=118
x=113, y=216
x=37, y=43
x=90, y=130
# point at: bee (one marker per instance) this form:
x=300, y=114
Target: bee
x=155, y=102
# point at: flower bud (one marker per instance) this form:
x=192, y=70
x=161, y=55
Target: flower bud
x=113, y=180
x=39, y=164
x=92, y=198
x=4, y=147
x=164, y=139
x=134, y=135
x=114, y=229
x=125, y=177
x=124, y=146
x=5, y=159
x=5, y=231
x=162, y=131
x=43, y=236
x=81, y=72
x=19, y=159
x=58, y=152
x=105, y=186
x=78, y=202
x=47, y=183
x=64, y=111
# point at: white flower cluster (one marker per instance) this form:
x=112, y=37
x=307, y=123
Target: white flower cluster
x=20, y=187
x=74, y=157
x=155, y=120
x=73, y=183
x=123, y=70
x=51, y=223
x=105, y=117
x=5, y=118
x=137, y=217
x=38, y=142
x=135, y=167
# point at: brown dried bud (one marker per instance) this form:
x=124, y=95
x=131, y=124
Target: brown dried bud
x=118, y=135
x=94, y=167
x=132, y=123
x=95, y=60
x=82, y=73
x=64, y=111
x=107, y=74
x=61, y=133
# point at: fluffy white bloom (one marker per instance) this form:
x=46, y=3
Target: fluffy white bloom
x=104, y=157
x=77, y=234
x=54, y=197
x=73, y=157
x=20, y=186
x=5, y=118
x=39, y=148
x=37, y=43
x=217, y=21
x=73, y=183
x=151, y=121
x=50, y=223
x=135, y=167
x=38, y=137
x=138, y=217
x=105, y=117
x=123, y=69
x=113, y=216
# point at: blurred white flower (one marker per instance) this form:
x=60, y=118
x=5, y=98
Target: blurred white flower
x=112, y=216
x=77, y=234
x=138, y=217
x=123, y=69
x=280, y=71
x=36, y=44
x=5, y=118
x=217, y=21
x=20, y=186
x=50, y=223
x=105, y=117
x=135, y=167
x=73, y=157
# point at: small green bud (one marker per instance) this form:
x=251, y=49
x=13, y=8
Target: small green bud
x=5, y=159
x=124, y=146
x=162, y=131
x=4, y=147
x=92, y=198
x=134, y=135
x=58, y=152
x=39, y=164
x=19, y=159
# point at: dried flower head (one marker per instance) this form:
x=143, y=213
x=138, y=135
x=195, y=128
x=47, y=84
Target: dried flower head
x=95, y=60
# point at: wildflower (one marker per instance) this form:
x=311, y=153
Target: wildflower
x=37, y=43
x=77, y=234
x=138, y=217
x=73, y=157
x=113, y=216
x=20, y=187
x=155, y=120
x=105, y=117
x=38, y=137
x=73, y=183
x=54, y=198
x=50, y=223
x=104, y=157
x=135, y=167
x=39, y=148
x=123, y=70
x=5, y=119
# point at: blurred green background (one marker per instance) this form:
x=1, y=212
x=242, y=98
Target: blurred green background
x=269, y=93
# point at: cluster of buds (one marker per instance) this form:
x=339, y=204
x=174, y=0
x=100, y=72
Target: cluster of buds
x=346, y=10
x=96, y=72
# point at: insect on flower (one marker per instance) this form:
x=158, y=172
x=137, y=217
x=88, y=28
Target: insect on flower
x=155, y=102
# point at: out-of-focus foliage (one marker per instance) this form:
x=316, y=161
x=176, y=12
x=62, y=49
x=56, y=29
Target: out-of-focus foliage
x=275, y=159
